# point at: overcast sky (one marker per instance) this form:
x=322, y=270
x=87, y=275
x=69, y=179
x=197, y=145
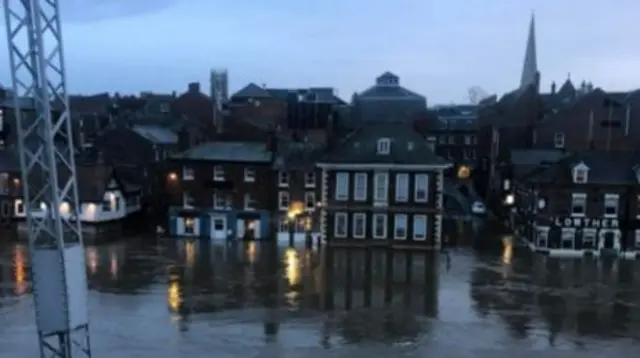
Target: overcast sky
x=439, y=48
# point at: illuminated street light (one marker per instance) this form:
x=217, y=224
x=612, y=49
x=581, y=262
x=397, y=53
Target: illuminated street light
x=509, y=200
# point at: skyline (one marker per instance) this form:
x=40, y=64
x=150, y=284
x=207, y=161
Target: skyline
x=438, y=50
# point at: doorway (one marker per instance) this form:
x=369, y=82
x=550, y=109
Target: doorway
x=608, y=241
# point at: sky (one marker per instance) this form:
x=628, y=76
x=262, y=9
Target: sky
x=438, y=48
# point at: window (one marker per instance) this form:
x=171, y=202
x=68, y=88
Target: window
x=580, y=173
x=342, y=186
x=187, y=200
x=442, y=139
x=381, y=184
x=402, y=187
x=589, y=238
x=189, y=226
x=359, y=224
x=637, y=206
x=568, y=238
x=19, y=206
x=218, y=173
x=283, y=200
x=249, y=175
x=637, y=240
x=283, y=225
x=310, y=179
x=106, y=205
x=558, y=140
x=220, y=201
x=384, y=146
x=467, y=140
x=420, y=227
x=578, y=204
x=421, y=188
x=310, y=200
x=340, y=225
x=249, y=202
x=452, y=139
x=283, y=179
x=611, y=205
x=187, y=173
x=542, y=237
x=400, y=227
x=360, y=187
x=379, y=226
x=218, y=224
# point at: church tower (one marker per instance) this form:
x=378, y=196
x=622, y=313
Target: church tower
x=530, y=73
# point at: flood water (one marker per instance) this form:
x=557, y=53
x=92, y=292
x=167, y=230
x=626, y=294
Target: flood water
x=201, y=299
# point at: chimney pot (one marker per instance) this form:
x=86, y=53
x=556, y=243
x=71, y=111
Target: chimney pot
x=553, y=87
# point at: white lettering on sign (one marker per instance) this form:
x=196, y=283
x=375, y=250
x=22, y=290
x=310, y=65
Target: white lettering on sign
x=587, y=223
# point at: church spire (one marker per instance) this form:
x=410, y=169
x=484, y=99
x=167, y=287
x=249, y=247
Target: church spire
x=530, y=74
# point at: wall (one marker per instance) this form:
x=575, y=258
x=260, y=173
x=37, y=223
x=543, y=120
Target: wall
x=92, y=212
x=203, y=221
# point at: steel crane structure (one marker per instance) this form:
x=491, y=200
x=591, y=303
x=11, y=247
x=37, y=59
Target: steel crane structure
x=45, y=144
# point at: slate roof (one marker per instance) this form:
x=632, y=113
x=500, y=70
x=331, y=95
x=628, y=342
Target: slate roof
x=251, y=90
x=407, y=147
x=249, y=152
x=382, y=90
x=536, y=156
x=613, y=167
x=156, y=134
x=297, y=156
x=314, y=94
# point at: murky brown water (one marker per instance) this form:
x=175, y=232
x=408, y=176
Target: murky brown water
x=199, y=299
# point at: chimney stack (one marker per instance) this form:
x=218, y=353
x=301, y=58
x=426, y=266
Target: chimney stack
x=194, y=87
x=553, y=87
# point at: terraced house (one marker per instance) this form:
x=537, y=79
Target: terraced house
x=220, y=190
x=584, y=204
x=382, y=186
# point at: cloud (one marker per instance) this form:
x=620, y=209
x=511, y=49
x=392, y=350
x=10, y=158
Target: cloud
x=100, y=10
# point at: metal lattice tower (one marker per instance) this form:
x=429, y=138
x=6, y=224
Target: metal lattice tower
x=58, y=275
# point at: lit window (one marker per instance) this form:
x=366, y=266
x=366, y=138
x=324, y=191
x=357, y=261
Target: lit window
x=611, y=205
x=189, y=226
x=218, y=173
x=249, y=175
x=187, y=173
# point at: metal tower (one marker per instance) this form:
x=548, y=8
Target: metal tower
x=58, y=275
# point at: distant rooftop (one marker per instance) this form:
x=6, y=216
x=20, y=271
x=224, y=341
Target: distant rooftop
x=249, y=152
x=156, y=134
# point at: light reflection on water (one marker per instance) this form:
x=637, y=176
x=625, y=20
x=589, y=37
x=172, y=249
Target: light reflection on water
x=168, y=299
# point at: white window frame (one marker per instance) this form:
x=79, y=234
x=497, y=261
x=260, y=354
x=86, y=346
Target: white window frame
x=374, y=222
x=342, y=186
x=283, y=196
x=417, y=187
x=558, y=140
x=416, y=220
x=336, y=221
x=187, y=201
x=359, y=217
x=360, y=186
x=187, y=173
x=398, y=218
x=220, y=202
x=283, y=179
x=568, y=233
x=542, y=234
x=590, y=235
x=189, y=226
x=249, y=175
x=310, y=179
x=248, y=202
x=309, y=197
x=384, y=146
x=381, y=187
x=218, y=173
x=578, y=198
x=609, y=200
x=402, y=181
x=580, y=175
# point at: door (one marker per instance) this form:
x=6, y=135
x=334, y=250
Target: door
x=253, y=229
x=609, y=239
x=218, y=227
x=240, y=228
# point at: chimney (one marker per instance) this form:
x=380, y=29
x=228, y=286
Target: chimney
x=553, y=87
x=194, y=87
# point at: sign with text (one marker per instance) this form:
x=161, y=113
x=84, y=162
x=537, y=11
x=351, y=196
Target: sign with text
x=580, y=223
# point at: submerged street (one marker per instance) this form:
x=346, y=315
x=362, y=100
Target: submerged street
x=195, y=299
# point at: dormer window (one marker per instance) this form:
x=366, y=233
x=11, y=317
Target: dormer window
x=580, y=173
x=384, y=146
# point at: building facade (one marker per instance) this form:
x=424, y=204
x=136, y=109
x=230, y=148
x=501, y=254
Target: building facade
x=221, y=190
x=585, y=204
x=382, y=186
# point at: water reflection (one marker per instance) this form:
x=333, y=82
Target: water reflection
x=20, y=269
x=560, y=298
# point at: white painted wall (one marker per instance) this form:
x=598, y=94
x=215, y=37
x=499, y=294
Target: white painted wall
x=91, y=212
